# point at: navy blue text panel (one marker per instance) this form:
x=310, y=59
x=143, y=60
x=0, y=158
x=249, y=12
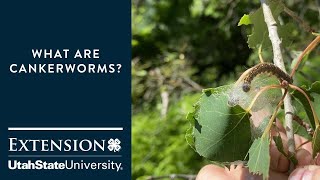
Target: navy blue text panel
x=65, y=89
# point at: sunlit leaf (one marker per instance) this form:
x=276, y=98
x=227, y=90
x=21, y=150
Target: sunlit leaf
x=197, y=7
x=218, y=128
x=267, y=100
x=245, y=20
x=260, y=31
x=316, y=33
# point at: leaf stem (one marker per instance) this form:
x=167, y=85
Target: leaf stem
x=296, y=17
x=268, y=128
x=309, y=48
x=303, y=144
x=260, y=54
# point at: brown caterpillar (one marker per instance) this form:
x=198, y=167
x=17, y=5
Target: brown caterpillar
x=264, y=68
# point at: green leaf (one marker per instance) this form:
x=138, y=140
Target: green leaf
x=308, y=71
x=315, y=87
x=279, y=145
x=316, y=33
x=260, y=30
x=245, y=20
x=306, y=106
x=197, y=8
x=278, y=141
x=218, y=128
x=300, y=130
x=189, y=134
x=259, y=34
x=286, y=33
x=316, y=142
x=295, y=55
x=259, y=157
x=314, y=94
x=316, y=104
x=266, y=101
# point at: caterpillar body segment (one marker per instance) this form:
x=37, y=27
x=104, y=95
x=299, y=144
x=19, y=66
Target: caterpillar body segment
x=264, y=68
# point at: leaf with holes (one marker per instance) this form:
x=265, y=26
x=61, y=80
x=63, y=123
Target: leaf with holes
x=216, y=128
x=259, y=157
x=260, y=31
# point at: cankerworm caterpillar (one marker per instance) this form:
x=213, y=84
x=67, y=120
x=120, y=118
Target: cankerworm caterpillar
x=264, y=68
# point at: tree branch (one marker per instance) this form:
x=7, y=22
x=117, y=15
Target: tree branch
x=278, y=61
x=301, y=22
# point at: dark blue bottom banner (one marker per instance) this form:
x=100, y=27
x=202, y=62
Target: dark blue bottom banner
x=77, y=152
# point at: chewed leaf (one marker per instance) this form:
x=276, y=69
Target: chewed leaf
x=259, y=34
x=259, y=157
x=189, y=134
x=218, y=128
x=267, y=100
x=316, y=142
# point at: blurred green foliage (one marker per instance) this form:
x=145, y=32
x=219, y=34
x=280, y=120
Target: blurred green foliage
x=182, y=46
x=196, y=39
x=159, y=146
